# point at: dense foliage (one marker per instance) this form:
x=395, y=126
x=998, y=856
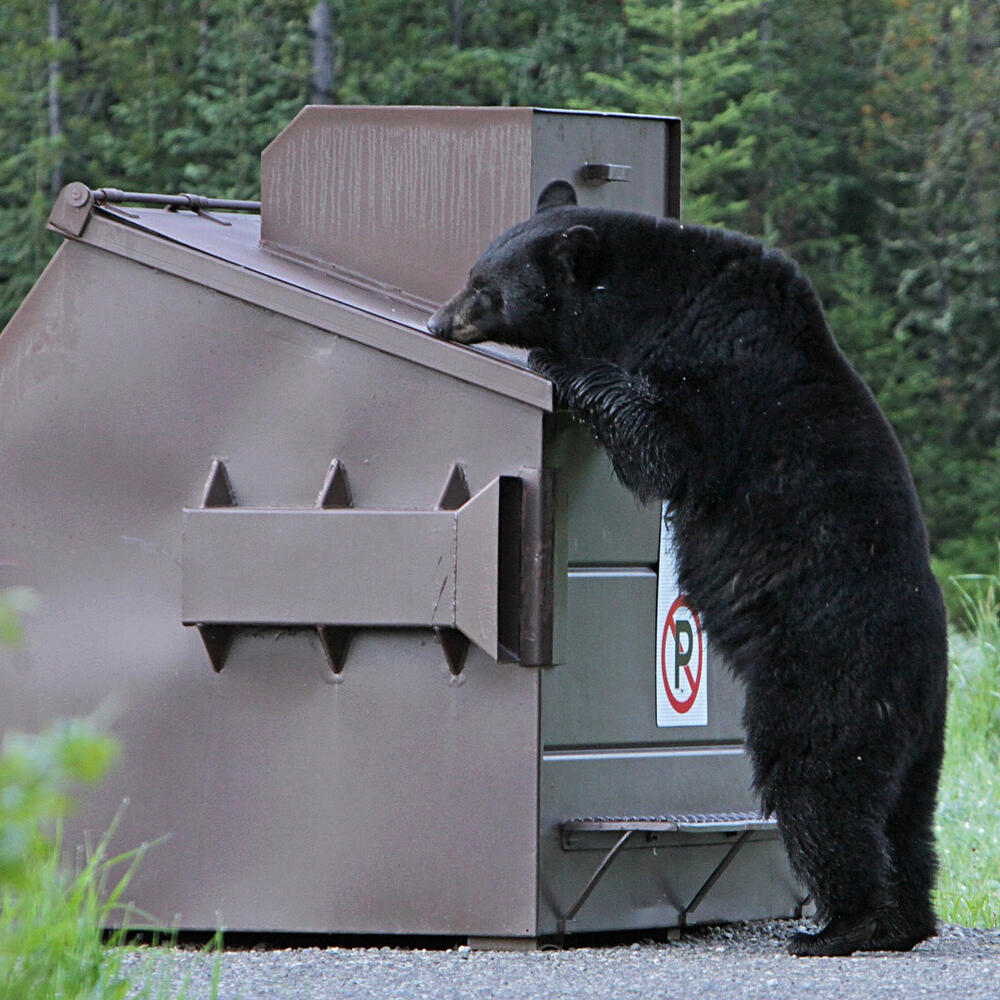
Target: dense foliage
x=863, y=138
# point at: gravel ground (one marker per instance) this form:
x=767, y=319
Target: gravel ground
x=735, y=962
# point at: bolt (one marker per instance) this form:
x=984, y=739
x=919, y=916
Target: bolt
x=77, y=194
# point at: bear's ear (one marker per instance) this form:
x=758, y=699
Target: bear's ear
x=555, y=194
x=575, y=254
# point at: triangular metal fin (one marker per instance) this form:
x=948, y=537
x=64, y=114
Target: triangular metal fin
x=456, y=489
x=218, y=489
x=335, y=640
x=336, y=491
x=455, y=646
x=217, y=639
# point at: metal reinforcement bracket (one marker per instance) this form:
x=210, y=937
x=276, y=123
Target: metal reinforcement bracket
x=646, y=831
x=476, y=568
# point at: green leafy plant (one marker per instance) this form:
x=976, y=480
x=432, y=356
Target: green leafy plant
x=52, y=916
x=14, y=602
x=51, y=942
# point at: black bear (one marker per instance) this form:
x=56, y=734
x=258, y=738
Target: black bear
x=704, y=364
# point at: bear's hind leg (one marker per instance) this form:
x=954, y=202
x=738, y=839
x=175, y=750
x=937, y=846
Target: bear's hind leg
x=911, y=837
x=838, y=845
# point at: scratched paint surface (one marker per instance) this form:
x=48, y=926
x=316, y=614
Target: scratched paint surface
x=406, y=199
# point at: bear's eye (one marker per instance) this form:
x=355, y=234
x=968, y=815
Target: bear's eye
x=486, y=300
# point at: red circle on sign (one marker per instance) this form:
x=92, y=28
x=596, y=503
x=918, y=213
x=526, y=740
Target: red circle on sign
x=681, y=706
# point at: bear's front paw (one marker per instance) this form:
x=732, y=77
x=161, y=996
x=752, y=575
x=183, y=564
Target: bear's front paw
x=577, y=380
x=544, y=361
x=558, y=369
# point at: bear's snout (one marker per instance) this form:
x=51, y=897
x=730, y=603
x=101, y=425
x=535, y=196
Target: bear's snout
x=440, y=323
x=451, y=322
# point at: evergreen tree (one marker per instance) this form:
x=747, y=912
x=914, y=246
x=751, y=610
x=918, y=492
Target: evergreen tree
x=133, y=60
x=696, y=59
x=810, y=192
x=250, y=75
x=933, y=126
x=493, y=52
x=30, y=155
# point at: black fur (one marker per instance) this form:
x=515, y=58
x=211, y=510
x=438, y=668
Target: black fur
x=704, y=365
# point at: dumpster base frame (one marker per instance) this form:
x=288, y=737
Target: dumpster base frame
x=575, y=833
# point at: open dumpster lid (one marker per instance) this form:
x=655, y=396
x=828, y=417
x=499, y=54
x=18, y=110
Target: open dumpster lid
x=222, y=251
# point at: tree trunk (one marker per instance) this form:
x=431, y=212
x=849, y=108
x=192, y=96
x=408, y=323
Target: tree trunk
x=55, y=111
x=678, y=56
x=321, y=23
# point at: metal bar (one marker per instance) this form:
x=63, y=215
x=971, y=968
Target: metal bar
x=722, y=824
x=196, y=202
x=596, y=877
x=538, y=562
x=603, y=173
x=328, y=566
x=615, y=825
x=715, y=876
x=672, y=193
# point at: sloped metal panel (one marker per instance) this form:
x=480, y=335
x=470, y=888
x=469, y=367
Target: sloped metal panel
x=294, y=798
x=233, y=265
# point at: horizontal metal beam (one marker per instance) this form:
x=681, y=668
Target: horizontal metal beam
x=265, y=566
x=709, y=823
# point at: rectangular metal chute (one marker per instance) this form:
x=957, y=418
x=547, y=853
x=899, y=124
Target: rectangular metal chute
x=342, y=566
x=356, y=567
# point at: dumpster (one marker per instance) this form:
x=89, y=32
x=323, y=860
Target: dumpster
x=389, y=649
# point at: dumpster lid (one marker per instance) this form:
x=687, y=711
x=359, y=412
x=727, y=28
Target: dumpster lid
x=222, y=251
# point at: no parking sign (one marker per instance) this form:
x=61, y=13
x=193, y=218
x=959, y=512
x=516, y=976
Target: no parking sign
x=681, y=647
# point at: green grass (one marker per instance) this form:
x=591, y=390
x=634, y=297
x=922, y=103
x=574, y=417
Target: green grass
x=968, y=890
x=52, y=942
x=52, y=913
x=50, y=918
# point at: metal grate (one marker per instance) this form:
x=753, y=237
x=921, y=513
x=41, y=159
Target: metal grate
x=730, y=822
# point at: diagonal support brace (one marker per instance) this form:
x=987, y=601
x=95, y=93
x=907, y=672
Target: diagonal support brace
x=591, y=885
x=714, y=877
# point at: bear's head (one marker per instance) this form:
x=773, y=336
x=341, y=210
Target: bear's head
x=530, y=281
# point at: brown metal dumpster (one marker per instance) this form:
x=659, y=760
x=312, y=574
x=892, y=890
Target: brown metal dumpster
x=391, y=650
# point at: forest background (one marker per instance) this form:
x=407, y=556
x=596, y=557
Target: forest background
x=860, y=136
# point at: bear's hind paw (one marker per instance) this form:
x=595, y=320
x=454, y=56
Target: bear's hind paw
x=895, y=935
x=873, y=932
x=837, y=938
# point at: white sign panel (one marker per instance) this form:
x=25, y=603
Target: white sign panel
x=681, y=647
